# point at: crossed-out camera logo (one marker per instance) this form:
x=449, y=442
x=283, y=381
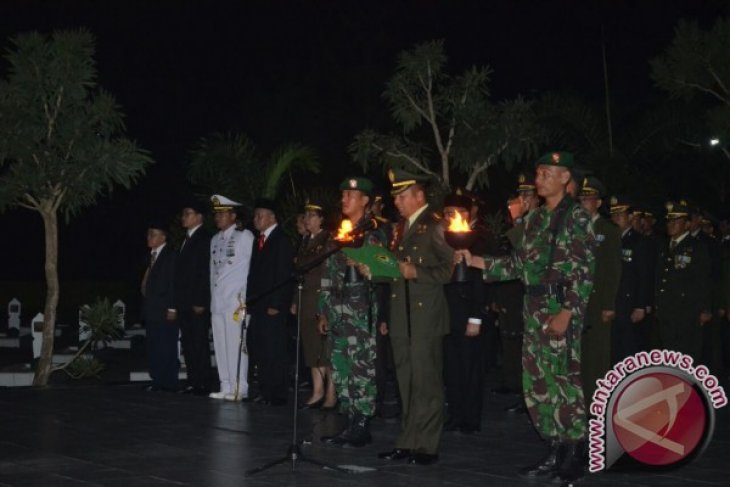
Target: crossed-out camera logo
x=655, y=406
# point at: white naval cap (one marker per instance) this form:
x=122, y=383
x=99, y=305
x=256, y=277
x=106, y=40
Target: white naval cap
x=221, y=203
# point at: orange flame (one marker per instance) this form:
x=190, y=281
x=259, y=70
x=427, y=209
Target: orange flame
x=458, y=225
x=343, y=233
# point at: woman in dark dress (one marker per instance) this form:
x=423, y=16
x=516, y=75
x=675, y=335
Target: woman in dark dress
x=316, y=351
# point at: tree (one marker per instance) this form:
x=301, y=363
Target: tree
x=62, y=145
x=449, y=126
x=229, y=164
x=695, y=67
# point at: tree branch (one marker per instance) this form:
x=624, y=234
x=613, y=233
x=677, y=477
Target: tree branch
x=402, y=155
x=703, y=89
x=414, y=104
x=479, y=168
x=718, y=79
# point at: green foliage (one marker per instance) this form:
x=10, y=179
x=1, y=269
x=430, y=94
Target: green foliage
x=103, y=322
x=451, y=130
x=84, y=366
x=61, y=145
x=229, y=164
x=696, y=62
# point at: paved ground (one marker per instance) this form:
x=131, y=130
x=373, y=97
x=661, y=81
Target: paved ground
x=123, y=436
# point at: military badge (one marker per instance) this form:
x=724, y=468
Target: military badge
x=556, y=157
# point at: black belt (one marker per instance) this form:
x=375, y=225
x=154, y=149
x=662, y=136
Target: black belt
x=538, y=290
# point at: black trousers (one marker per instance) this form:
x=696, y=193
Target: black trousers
x=194, y=329
x=268, y=352
x=162, y=353
x=463, y=368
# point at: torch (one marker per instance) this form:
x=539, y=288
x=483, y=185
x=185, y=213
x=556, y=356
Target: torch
x=460, y=236
x=346, y=237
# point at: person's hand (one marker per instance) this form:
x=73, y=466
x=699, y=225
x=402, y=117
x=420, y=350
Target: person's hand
x=272, y=311
x=705, y=318
x=517, y=208
x=171, y=315
x=364, y=270
x=472, y=330
x=637, y=315
x=383, y=327
x=607, y=315
x=322, y=325
x=462, y=255
x=408, y=270
x=558, y=324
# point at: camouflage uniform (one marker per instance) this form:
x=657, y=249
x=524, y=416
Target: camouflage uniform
x=551, y=367
x=351, y=310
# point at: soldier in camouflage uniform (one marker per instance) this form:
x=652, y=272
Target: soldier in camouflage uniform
x=555, y=262
x=348, y=310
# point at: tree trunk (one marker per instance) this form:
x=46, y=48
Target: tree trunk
x=50, y=225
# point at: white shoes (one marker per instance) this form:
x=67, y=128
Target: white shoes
x=217, y=395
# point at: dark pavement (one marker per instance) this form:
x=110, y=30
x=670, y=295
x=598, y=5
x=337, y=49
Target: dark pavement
x=124, y=436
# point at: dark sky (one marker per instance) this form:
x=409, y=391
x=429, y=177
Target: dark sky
x=310, y=72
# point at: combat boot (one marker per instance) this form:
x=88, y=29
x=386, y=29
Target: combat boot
x=342, y=437
x=547, y=467
x=573, y=468
x=359, y=432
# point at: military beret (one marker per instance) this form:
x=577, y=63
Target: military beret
x=359, y=184
x=221, y=203
x=526, y=182
x=401, y=180
x=557, y=158
x=592, y=186
x=458, y=199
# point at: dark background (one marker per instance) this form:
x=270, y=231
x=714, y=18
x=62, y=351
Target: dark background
x=309, y=72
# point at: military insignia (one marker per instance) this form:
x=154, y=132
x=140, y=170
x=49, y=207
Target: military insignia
x=683, y=202
x=585, y=182
x=353, y=183
x=459, y=191
x=391, y=176
x=556, y=157
x=521, y=179
x=600, y=237
x=216, y=201
x=614, y=201
x=627, y=254
x=669, y=206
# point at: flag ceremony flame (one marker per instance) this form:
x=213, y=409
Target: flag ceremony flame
x=457, y=224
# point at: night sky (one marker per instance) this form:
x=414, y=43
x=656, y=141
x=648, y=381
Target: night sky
x=309, y=72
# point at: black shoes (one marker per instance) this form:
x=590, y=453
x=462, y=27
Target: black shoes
x=357, y=433
x=395, y=454
x=312, y=405
x=423, y=459
x=413, y=458
x=574, y=464
x=547, y=467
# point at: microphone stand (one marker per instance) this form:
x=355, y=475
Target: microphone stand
x=293, y=453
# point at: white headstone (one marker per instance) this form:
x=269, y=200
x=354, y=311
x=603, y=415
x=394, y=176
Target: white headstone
x=84, y=328
x=36, y=331
x=14, y=314
x=121, y=310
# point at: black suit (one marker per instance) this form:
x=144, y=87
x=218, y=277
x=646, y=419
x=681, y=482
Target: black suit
x=633, y=293
x=268, y=289
x=192, y=289
x=162, y=334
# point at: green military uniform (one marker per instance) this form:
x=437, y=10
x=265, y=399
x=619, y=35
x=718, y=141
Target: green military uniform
x=596, y=338
x=551, y=367
x=351, y=309
x=683, y=290
x=419, y=320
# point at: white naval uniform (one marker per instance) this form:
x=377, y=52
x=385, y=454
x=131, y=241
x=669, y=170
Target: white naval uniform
x=230, y=258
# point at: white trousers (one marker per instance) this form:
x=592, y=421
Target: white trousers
x=227, y=345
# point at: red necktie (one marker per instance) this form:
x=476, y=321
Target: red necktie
x=262, y=239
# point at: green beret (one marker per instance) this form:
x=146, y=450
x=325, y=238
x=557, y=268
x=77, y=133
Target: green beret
x=557, y=158
x=401, y=180
x=359, y=184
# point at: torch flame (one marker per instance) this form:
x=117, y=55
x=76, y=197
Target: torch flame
x=343, y=233
x=458, y=224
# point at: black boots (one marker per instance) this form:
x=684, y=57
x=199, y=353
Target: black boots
x=547, y=467
x=574, y=464
x=357, y=433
